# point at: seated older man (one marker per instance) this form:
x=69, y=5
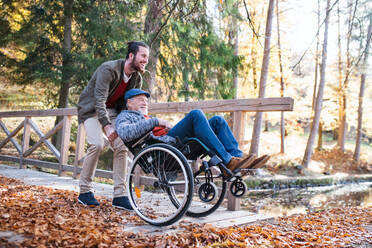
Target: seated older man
x=215, y=133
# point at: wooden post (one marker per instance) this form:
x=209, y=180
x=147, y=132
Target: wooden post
x=137, y=177
x=65, y=142
x=238, y=127
x=25, y=139
x=79, y=152
x=233, y=203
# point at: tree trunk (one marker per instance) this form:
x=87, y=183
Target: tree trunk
x=361, y=93
x=153, y=20
x=66, y=66
x=263, y=78
x=186, y=86
x=340, y=90
x=236, y=53
x=254, y=61
x=343, y=124
x=320, y=136
x=266, y=123
x=235, y=38
x=255, y=42
x=319, y=99
x=67, y=61
x=235, y=31
x=316, y=61
x=282, y=124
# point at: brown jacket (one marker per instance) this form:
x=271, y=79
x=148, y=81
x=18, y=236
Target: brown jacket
x=101, y=87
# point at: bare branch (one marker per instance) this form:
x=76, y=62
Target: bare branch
x=317, y=32
x=192, y=10
x=251, y=23
x=357, y=60
x=165, y=5
x=165, y=23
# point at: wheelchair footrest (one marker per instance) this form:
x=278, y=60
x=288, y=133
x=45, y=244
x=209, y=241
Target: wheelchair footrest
x=247, y=172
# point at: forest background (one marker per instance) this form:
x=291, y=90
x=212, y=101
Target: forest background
x=202, y=50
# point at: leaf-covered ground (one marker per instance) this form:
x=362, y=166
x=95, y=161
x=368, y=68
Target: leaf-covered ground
x=44, y=217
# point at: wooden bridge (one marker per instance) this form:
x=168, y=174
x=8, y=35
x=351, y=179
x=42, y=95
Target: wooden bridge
x=239, y=107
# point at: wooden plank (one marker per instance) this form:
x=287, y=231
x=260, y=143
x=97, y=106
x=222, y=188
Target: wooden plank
x=35, y=162
x=65, y=143
x=102, y=173
x=79, y=150
x=248, y=105
x=25, y=139
x=43, y=138
x=222, y=214
x=145, y=180
x=223, y=218
x=10, y=136
x=52, y=165
x=9, y=158
x=248, y=218
x=40, y=113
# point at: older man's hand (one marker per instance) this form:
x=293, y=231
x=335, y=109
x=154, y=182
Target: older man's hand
x=165, y=123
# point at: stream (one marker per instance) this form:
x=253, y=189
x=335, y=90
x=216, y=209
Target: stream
x=300, y=201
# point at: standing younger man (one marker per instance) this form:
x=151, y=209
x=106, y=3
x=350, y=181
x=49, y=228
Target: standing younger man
x=99, y=104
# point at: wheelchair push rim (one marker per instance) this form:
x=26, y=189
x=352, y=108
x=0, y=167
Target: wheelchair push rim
x=163, y=192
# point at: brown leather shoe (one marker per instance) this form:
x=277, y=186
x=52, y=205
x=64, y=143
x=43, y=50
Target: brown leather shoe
x=248, y=160
x=259, y=162
x=235, y=163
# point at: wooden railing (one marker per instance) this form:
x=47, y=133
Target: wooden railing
x=239, y=107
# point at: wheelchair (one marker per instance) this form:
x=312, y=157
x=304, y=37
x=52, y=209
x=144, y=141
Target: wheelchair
x=164, y=182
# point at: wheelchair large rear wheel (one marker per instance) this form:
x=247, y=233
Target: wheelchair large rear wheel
x=209, y=192
x=160, y=184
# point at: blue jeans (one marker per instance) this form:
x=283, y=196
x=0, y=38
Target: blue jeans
x=214, y=133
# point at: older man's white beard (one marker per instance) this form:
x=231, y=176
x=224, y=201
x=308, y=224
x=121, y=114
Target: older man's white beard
x=143, y=111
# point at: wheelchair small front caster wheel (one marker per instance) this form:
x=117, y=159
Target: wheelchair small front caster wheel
x=208, y=192
x=156, y=184
x=238, y=188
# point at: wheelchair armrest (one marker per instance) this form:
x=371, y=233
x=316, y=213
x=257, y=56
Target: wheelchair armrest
x=134, y=143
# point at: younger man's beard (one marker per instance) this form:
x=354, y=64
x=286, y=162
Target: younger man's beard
x=135, y=65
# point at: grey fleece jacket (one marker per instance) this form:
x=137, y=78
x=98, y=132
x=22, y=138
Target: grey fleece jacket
x=131, y=125
x=102, y=86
